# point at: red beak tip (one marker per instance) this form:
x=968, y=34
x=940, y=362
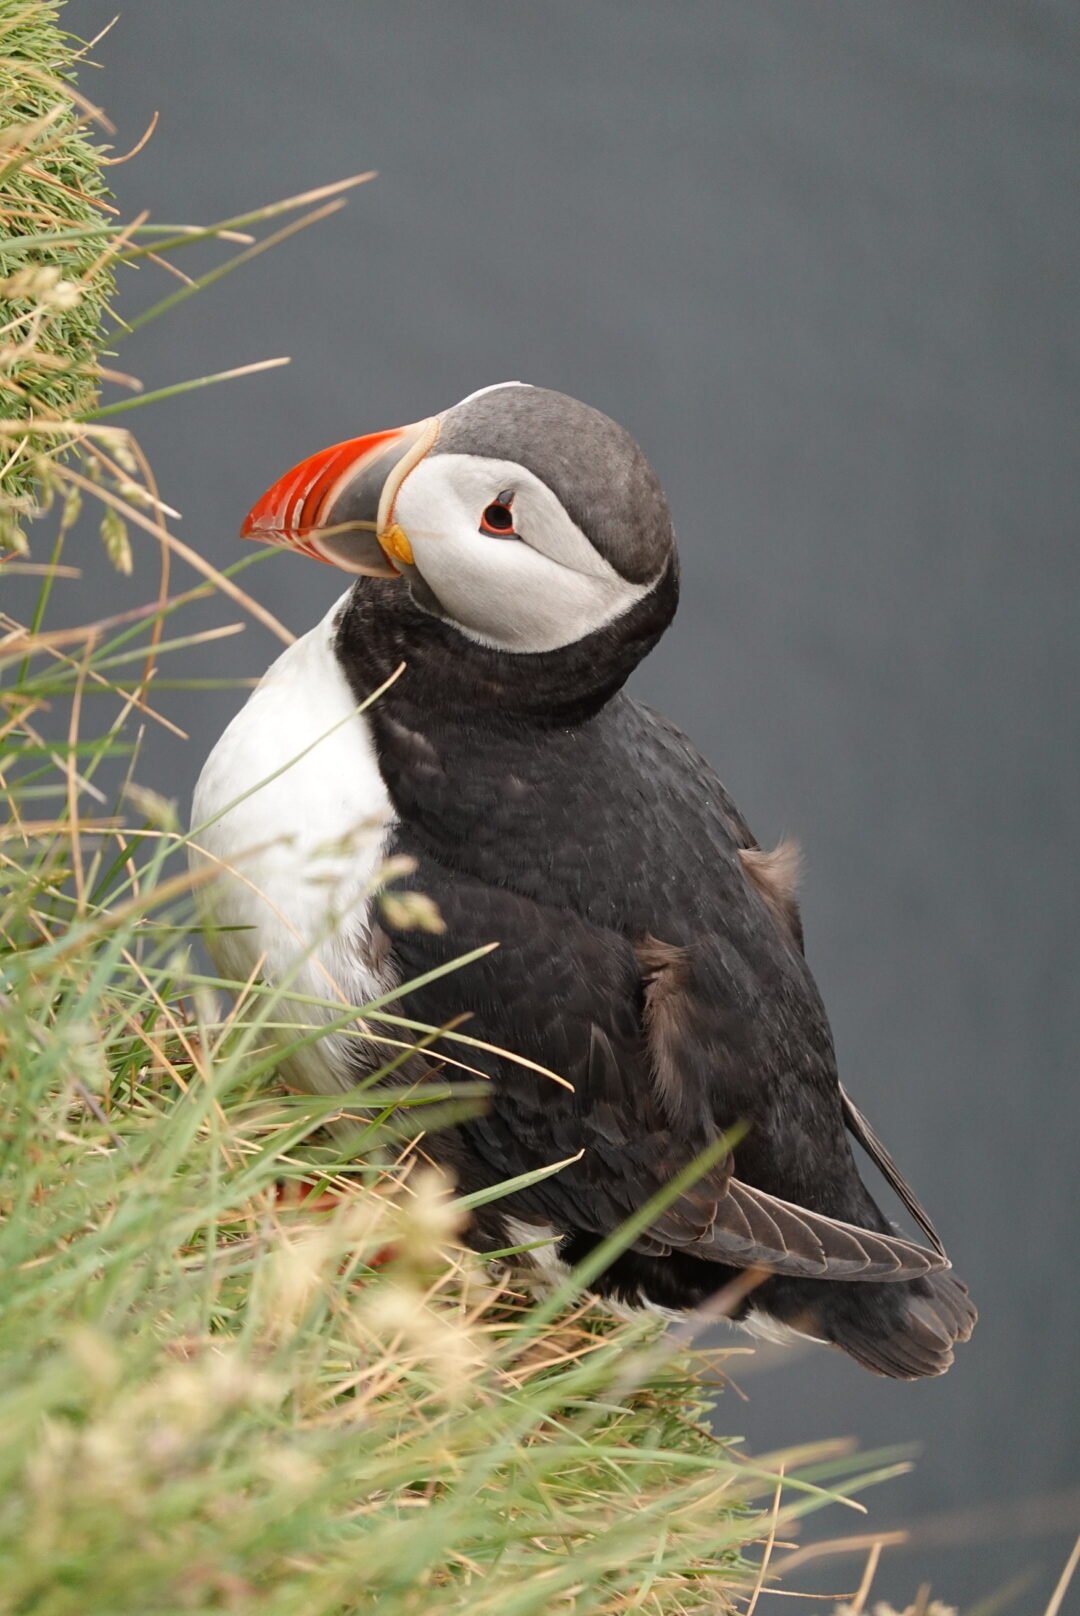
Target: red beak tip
x=295, y=509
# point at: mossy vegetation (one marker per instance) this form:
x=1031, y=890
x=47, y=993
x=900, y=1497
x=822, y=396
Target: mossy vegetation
x=56, y=272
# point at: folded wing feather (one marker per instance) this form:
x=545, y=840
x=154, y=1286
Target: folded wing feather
x=747, y=1227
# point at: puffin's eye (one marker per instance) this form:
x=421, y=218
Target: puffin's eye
x=498, y=518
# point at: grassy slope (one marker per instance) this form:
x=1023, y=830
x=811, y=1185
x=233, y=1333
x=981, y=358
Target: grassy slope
x=215, y=1391
x=52, y=293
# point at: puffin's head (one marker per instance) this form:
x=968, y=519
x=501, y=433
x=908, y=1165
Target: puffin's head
x=520, y=519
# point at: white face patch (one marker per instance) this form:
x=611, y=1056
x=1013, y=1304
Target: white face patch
x=545, y=588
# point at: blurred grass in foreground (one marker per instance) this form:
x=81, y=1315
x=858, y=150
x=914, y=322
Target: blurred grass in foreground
x=245, y=1362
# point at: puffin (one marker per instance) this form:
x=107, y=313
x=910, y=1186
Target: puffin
x=459, y=718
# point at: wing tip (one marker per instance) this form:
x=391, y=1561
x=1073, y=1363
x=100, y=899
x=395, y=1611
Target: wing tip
x=831, y=1248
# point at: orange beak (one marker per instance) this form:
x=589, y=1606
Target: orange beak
x=338, y=505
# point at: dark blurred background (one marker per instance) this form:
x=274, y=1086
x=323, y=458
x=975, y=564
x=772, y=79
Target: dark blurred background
x=822, y=261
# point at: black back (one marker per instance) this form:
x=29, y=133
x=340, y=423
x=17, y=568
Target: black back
x=552, y=814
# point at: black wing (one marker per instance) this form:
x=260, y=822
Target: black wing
x=860, y=1129
x=643, y=1052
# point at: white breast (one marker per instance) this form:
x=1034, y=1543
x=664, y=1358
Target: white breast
x=298, y=854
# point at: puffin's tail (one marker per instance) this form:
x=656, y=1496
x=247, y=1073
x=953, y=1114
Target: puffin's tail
x=904, y=1331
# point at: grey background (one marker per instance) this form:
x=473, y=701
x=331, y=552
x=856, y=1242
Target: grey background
x=821, y=259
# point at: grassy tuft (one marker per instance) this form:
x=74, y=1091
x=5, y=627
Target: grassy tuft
x=61, y=247
x=55, y=277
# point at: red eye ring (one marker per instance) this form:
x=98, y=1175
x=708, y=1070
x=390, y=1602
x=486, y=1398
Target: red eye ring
x=497, y=518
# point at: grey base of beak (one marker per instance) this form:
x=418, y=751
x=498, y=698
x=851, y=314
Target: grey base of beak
x=353, y=549
x=350, y=537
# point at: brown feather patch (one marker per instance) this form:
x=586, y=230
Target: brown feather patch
x=775, y=876
x=664, y=970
